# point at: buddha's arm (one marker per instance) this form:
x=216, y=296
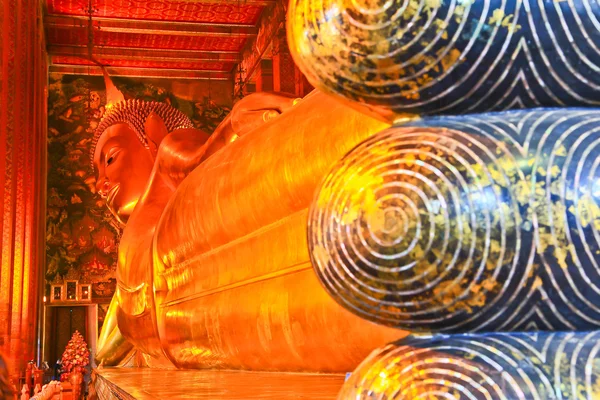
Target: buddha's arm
x=112, y=346
x=129, y=319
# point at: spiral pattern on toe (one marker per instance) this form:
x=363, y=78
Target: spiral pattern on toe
x=405, y=227
x=449, y=57
x=477, y=223
x=539, y=366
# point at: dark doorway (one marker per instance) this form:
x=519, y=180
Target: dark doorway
x=63, y=322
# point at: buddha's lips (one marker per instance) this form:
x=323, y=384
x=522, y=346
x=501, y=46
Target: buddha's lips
x=111, y=194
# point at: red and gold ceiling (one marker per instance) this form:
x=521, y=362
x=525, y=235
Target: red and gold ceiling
x=224, y=12
x=158, y=38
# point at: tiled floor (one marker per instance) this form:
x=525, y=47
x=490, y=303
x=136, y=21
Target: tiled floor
x=145, y=383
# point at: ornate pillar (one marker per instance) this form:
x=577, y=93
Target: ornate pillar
x=23, y=81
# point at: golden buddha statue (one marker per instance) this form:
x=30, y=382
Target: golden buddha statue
x=213, y=266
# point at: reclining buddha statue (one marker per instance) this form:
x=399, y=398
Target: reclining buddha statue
x=306, y=241
x=213, y=267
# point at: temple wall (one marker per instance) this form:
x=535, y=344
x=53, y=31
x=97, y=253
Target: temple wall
x=22, y=176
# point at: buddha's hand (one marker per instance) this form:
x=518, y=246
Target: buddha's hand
x=251, y=112
x=182, y=151
x=258, y=108
x=177, y=153
x=113, y=348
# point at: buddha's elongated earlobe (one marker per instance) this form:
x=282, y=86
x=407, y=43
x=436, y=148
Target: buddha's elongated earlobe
x=155, y=130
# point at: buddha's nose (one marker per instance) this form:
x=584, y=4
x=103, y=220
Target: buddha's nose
x=102, y=188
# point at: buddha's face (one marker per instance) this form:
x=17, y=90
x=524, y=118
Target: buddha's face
x=123, y=167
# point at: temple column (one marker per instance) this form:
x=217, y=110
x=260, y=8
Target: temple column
x=23, y=92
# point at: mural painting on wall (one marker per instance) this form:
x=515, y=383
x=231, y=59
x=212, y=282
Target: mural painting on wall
x=82, y=236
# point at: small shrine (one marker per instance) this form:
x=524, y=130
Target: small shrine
x=69, y=291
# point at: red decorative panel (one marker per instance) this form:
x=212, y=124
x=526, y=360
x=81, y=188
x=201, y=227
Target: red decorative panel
x=162, y=10
x=65, y=36
x=144, y=63
x=287, y=73
x=22, y=152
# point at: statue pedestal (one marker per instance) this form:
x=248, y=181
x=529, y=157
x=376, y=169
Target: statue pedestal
x=147, y=383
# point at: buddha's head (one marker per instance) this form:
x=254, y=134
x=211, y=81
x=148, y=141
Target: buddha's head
x=125, y=145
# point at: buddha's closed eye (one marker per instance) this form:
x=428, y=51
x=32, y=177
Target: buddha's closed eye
x=112, y=155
